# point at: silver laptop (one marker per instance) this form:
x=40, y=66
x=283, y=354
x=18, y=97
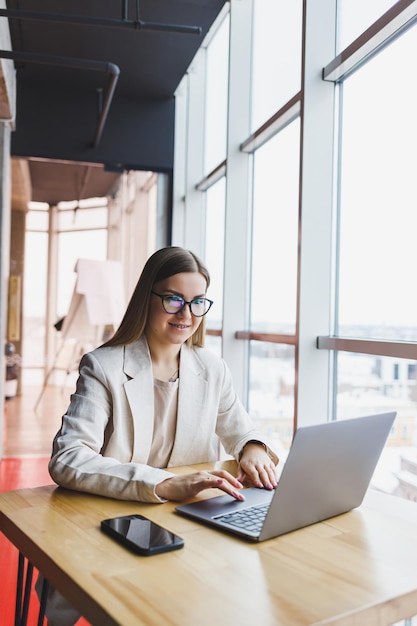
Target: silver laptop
x=327, y=472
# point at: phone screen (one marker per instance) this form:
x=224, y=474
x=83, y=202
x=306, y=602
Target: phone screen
x=141, y=534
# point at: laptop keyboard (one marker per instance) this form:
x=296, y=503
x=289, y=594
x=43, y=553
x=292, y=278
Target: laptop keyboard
x=247, y=519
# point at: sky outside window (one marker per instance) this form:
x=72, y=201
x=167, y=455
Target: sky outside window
x=355, y=16
x=378, y=194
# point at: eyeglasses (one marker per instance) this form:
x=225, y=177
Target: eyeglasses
x=175, y=304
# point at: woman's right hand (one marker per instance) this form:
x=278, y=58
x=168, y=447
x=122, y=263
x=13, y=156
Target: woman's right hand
x=185, y=486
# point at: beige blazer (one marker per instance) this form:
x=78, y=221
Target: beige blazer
x=105, y=439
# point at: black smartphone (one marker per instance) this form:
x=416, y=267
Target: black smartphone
x=141, y=534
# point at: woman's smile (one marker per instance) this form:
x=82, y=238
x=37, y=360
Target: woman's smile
x=180, y=326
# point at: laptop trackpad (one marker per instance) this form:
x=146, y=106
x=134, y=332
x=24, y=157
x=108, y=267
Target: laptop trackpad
x=220, y=505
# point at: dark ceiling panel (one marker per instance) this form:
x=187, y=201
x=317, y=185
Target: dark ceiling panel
x=58, y=106
x=138, y=133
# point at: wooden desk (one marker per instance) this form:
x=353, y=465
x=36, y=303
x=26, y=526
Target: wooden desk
x=356, y=569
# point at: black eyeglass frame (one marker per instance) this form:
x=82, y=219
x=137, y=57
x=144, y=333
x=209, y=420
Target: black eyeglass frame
x=166, y=297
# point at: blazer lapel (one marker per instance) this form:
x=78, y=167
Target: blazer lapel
x=192, y=397
x=140, y=396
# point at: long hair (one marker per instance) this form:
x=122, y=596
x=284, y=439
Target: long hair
x=161, y=265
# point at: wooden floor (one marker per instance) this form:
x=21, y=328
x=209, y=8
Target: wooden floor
x=28, y=434
x=32, y=419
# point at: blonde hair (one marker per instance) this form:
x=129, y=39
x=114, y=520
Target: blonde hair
x=161, y=265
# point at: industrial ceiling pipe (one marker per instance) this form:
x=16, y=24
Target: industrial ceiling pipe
x=136, y=24
x=74, y=63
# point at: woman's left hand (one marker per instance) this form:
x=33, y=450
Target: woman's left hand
x=256, y=465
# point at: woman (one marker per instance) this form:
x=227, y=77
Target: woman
x=153, y=397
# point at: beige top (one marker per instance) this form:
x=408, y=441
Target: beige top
x=165, y=422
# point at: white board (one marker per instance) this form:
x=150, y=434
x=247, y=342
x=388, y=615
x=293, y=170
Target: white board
x=97, y=301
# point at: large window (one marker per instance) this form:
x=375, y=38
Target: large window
x=276, y=56
x=271, y=392
x=214, y=244
x=274, y=283
x=75, y=230
x=378, y=196
x=216, y=97
x=319, y=305
x=35, y=286
x=377, y=304
x=275, y=233
x=82, y=235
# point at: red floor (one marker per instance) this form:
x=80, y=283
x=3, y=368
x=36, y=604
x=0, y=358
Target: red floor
x=18, y=473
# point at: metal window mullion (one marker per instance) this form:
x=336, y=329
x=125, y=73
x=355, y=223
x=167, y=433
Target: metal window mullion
x=238, y=196
x=180, y=162
x=313, y=392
